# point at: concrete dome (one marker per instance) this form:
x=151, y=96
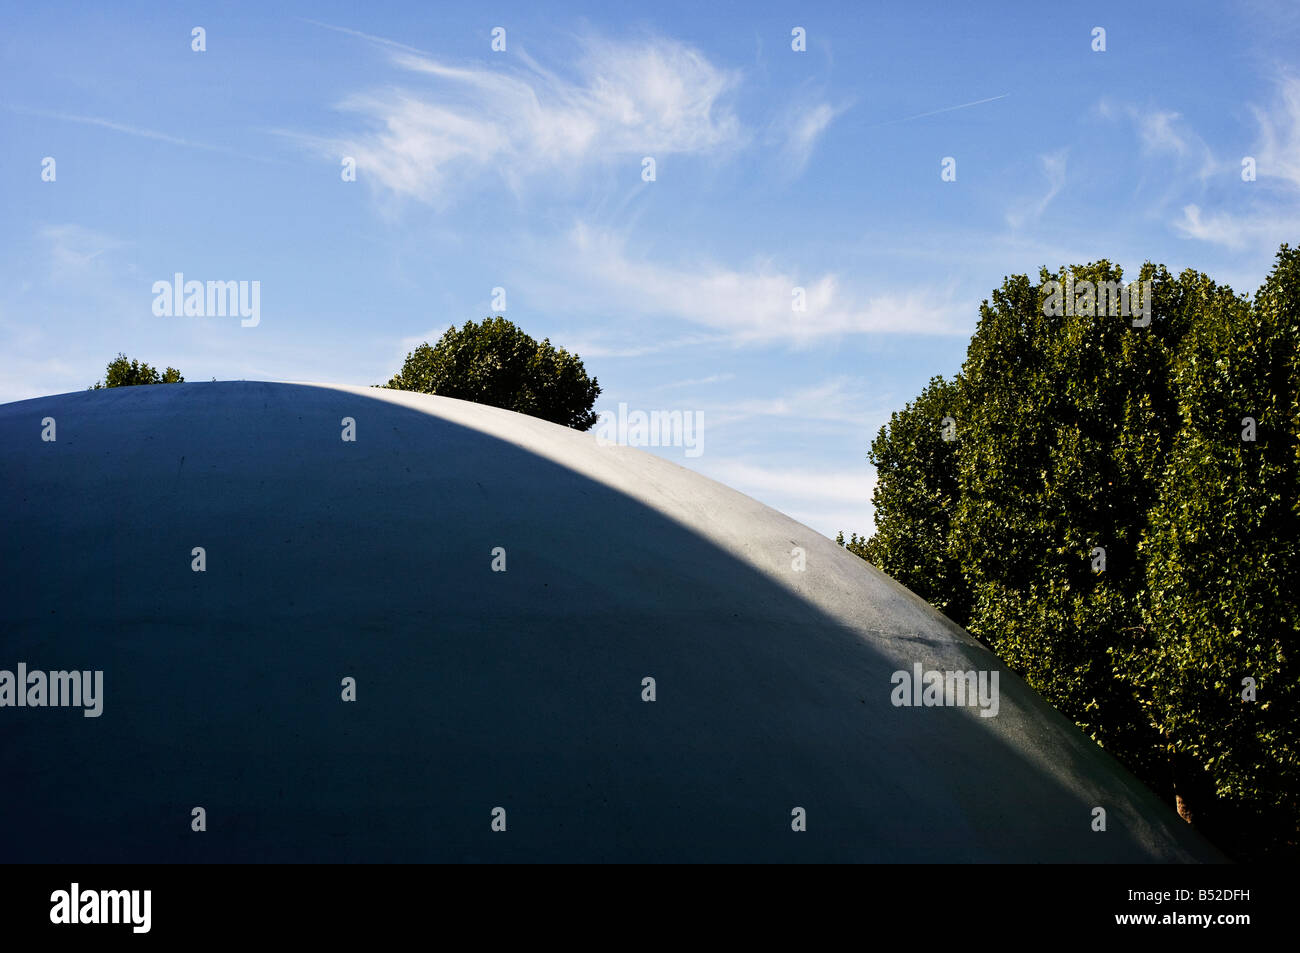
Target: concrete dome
x=476, y=689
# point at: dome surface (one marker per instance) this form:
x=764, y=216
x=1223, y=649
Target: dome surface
x=778, y=689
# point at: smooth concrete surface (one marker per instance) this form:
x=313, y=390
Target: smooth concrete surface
x=477, y=689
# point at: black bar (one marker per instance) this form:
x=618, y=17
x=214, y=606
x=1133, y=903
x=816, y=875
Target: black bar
x=949, y=902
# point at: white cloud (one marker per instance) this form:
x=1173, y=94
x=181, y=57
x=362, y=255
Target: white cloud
x=698, y=381
x=797, y=130
x=1163, y=132
x=1262, y=231
x=1220, y=229
x=840, y=400
x=1054, y=169
x=1278, y=153
x=844, y=486
x=605, y=345
x=746, y=306
x=79, y=254
x=1259, y=216
x=516, y=119
x=28, y=376
x=1273, y=212
x=805, y=129
x=1157, y=132
x=827, y=500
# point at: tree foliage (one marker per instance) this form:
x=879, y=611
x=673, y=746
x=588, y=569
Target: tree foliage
x=1102, y=522
x=494, y=362
x=125, y=372
x=1223, y=568
x=914, y=498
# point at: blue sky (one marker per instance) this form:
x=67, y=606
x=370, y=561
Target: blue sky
x=522, y=170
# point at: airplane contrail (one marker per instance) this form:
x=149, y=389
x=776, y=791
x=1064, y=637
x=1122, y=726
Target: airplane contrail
x=384, y=41
x=134, y=131
x=946, y=109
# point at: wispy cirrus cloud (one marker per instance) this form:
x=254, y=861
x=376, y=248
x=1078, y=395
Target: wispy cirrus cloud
x=1272, y=213
x=698, y=381
x=1257, y=219
x=1263, y=231
x=796, y=131
x=827, y=500
x=1054, y=169
x=1278, y=150
x=845, y=486
x=72, y=246
x=745, y=305
x=1163, y=132
x=447, y=125
x=841, y=401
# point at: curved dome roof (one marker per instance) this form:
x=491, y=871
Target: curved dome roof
x=326, y=559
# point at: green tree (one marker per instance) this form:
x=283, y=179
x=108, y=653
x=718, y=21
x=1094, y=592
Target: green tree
x=1068, y=420
x=494, y=362
x=1118, y=538
x=915, y=496
x=1223, y=570
x=123, y=372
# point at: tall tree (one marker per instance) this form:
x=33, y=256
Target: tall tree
x=1068, y=418
x=1216, y=666
x=1119, y=509
x=494, y=362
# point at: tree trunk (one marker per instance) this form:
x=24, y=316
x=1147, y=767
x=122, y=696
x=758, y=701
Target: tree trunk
x=1190, y=787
